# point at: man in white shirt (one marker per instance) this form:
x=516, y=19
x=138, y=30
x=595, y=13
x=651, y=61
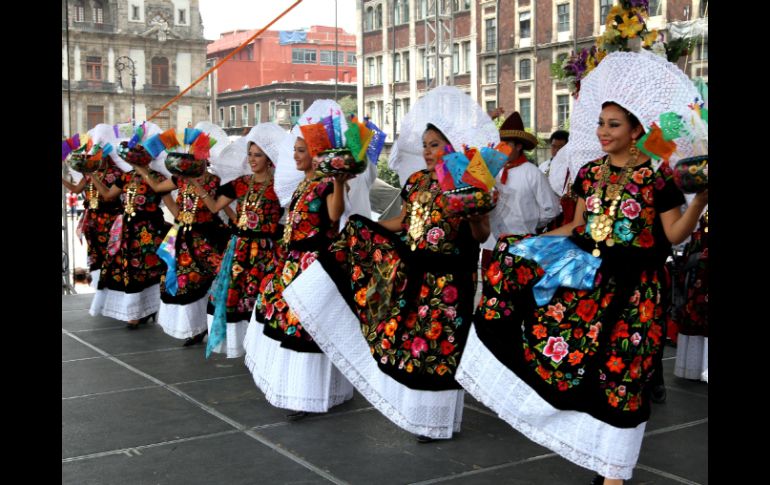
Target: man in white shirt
x=558, y=139
x=527, y=202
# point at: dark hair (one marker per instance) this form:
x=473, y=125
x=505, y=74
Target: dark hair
x=559, y=135
x=432, y=127
x=631, y=118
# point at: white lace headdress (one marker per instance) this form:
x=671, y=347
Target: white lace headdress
x=454, y=113
x=233, y=162
x=643, y=83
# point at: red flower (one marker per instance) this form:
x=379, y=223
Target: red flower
x=562, y=385
x=539, y=331
x=620, y=331
x=577, y=333
x=568, y=296
x=576, y=357
x=385, y=344
x=446, y=348
x=587, y=310
x=615, y=364
x=645, y=310
x=435, y=330
x=523, y=275
x=449, y=294
x=494, y=275
x=645, y=239
x=613, y=400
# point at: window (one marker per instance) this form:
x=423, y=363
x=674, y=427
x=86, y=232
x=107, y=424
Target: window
x=221, y=117
x=231, y=121
x=159, y=71
x=467, y=56
x=371, y=112
x=182, y=16
x=370, y=74
x=340, y=58
x=397, y=68
x=405, y=59
x=460, y=5
x=379, y=70
x=405, y=104
x=490, y=71
x=303, y=56
x=562, y=110
x=491, y=35
x=296, y=109
x=98, y=12
x=655, y=8
x=271, y=113
x=604, y=10
x=93, y=69
x=257, y=113
x=351, y=58
x=80, y=15
x=369, y=20
x=380, y=112
x=402, y=12
x=327, y=58
x=704, y=8
x=378, y=17
x=491, y=106
x=135, y=12
x=95, y=115
x=422, y=9
x=245, y=115
x=455, y=58
x=562, y=13
x=525, y=110
x=525, y=69
x=703, y=51
x=524, y=30
x=423, y=69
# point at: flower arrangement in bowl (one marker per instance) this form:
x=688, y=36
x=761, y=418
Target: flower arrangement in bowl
x=190, y=161
x=343, y=153
x=89, y=158
x=467, y=179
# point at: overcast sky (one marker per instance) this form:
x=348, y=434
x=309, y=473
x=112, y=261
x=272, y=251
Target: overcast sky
x=227, y=15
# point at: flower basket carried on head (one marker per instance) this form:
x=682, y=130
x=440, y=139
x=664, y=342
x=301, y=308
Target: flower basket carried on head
x=468, y=180
x=186, y=164
x=89, y=158
x=343, y=155
x=137, y=155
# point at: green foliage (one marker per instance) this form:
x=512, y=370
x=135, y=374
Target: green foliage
x=385, y=173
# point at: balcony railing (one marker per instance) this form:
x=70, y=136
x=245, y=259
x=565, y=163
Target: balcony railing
x=160, y=89
x=93, y=27
x=96, y=86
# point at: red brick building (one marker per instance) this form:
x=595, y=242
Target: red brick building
x=307, y=58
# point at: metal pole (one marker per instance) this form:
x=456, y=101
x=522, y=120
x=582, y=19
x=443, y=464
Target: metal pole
x=393, y=74
x=336, y=53
x=497, y=54
x=69, y=121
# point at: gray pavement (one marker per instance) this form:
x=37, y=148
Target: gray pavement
x=137, y=408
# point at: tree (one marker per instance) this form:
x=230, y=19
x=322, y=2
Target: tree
x=349, y=105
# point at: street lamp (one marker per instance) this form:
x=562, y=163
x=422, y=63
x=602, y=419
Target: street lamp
x=121, y=64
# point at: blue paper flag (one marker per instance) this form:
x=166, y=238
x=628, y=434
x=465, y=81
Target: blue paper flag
x=456, y=163
x=154, y=145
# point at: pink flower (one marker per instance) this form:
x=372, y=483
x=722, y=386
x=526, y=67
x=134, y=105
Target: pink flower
x=418, y=345
x=423, y=311
x=556, y=348
x=449, y=295
x=140, y=200
x=636, y=338
x=450, y=312
x=434, y=235
x=635, y=299
x=338, y=162
x=630, y=208
x=307, y=260
x=621, y=391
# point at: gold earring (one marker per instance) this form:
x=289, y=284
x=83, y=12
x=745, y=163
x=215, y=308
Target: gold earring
x=633, y=151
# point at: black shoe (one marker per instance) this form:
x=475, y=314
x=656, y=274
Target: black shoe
x=598, y=480
x=153, y=316
x=132, y=326
x=658, y=394
x=195, y=340
x=425, y=439
x=297, y=416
